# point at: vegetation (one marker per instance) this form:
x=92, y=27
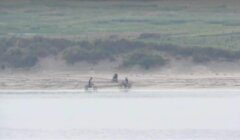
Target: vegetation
x=17, y=57
x=144, y=60
x=97, y=30
x=178, y=22
x=26, y=52
x=91, y=55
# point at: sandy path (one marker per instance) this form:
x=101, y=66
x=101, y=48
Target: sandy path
x=77, y=80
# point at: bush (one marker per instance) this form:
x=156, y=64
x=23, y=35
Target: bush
x=199, y=54
x=78, y=54
x=19, y=58
x=25, y=52
x=144, y=60
x=149, y=36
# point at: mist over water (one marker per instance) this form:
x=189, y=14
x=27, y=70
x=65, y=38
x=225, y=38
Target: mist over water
x=116, y=115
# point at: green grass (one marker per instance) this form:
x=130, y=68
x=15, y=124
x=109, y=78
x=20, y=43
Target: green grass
x=180, y=23
x=26, y=52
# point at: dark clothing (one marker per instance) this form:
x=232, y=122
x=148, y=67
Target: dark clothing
x=115, y=78
x=126, y=80
x=90, y=84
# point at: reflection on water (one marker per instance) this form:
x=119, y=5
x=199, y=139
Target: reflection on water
x=186, y=114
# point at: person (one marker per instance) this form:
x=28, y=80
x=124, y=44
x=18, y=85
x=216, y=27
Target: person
x=115, y=78
x=90, y=83
x=126, y=83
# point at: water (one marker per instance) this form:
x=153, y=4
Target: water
x=133, y=115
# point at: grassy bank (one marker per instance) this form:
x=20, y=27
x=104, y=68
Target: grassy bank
x=26, y=52
x=148, y=34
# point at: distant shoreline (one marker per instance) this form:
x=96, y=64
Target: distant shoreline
x=140, y=81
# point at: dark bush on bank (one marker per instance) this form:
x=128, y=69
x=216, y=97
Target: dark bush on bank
x=79, y=54
x=19, y=58
x=144, y=60
x=199, y=54
x=150, y=36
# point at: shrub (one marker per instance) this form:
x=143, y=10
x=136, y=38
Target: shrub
x=149, y=36
x=25, y=52
x=78, y=54
x=144, y=60
x=19, y=58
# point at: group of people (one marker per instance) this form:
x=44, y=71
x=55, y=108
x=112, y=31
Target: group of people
x=124, y=84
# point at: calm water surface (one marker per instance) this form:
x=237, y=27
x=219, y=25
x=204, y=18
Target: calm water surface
x=133, y=115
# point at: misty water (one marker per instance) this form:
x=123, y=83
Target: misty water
x=132, y=115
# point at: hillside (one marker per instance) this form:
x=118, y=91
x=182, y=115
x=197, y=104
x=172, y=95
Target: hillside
x=149, y=34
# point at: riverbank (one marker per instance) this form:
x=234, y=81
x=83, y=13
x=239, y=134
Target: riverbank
x=76, y=80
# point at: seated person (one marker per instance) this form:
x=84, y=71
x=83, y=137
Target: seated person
x=115, y=78
x=90, y=83
x=126, y=83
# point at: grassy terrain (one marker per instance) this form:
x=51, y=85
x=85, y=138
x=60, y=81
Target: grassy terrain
x=181, y=23
x=139, y=32
x=26, y=52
